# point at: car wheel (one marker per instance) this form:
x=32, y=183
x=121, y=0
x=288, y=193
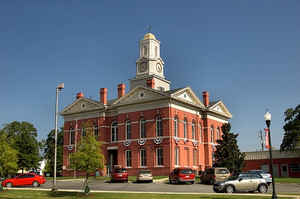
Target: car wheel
x=211, y=181
x=170, y=181
x=35, y=184
x=262, y=188
x=229, y=189
x=9, y=184
x=192, y=182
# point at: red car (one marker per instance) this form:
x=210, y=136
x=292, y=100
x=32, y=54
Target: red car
x=179, y=175
x=24, y=180
x=119, y=174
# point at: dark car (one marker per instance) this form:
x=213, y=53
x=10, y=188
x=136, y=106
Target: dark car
x=215, y=174
x=119, y=175
x=244, y=182
x=180, y=175
x=24, y=180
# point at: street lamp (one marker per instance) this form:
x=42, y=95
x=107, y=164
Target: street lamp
x=58, y=89
x=268, y=122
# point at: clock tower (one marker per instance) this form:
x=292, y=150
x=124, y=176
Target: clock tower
x=149, y=65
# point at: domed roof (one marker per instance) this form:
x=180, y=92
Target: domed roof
x=149, y=36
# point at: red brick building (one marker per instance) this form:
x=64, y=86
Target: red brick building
x=285, y=164
x=151, y=126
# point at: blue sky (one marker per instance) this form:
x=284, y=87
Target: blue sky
x=243, y=52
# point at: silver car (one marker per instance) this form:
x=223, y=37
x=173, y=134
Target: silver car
x=243, y=183
x=264, y=174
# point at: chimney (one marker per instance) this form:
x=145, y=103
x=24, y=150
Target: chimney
x=79, y=95
x=205, y=98
x=121, y=90
x=151, y=83
x=103, y=95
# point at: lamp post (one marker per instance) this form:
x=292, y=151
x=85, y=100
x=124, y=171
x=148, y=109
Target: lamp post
x=58, y=89
x=268, y=122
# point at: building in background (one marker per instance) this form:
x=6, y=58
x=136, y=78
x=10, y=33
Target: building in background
x=285, y=164
x=151, y=126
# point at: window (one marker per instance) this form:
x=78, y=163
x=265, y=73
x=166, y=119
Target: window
x=159, y=156
x=218, y=133
x=128, y=130
x=71, y=136
x=177, y=156
x=187, y=152
x=96, y=131
x=158, y=126
x=185, y=128
x=114, y=132
x=200, y=132
x=211, y=134
x=193, y=131
x=143, y=157
x=145, y=51
x=176, y=127
x=142, y=128
x=195, y=157
x=156, y=51
x=128, y=158
x=83, y=131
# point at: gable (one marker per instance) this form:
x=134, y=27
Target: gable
x=187, y=95
x=220, y=108
x=139, y=94
x=82, y=105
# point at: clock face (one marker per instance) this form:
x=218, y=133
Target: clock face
x=143, y=67
x=158, y=68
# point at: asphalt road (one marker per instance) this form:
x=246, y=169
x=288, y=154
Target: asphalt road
x=157, y=187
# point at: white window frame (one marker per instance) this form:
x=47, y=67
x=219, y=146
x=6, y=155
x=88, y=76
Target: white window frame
x=126, y=159
x=114, y=131
x=185, y=134
x=157, y=158
x=212, y=134
x=177, y=156
x=71, y=131
x=200, y=132
x=128, y=126
x=158, y=126
x=193, y=130
x=218, y=133
x=176, y=127
x=96, y=129
x=145, y=158
x=143, y=126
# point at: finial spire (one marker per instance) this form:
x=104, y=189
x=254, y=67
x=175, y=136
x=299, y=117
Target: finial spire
x=149, y=28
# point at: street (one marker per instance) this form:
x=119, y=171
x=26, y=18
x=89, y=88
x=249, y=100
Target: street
x=282, y=188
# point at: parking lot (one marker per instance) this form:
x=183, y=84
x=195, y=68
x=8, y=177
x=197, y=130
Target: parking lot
x=157, y=186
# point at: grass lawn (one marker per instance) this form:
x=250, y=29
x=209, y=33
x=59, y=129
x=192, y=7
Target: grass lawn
x=287, y=180
x=15, y=194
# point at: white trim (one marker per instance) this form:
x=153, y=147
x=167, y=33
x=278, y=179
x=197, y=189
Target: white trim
x=185, y=109
x=126, y=159
x=112, y=147
x=216, y=119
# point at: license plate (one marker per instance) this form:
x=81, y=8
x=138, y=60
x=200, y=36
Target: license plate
x=120, y=175
x=187, y=176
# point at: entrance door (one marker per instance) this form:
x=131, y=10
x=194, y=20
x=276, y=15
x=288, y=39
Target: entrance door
x=284, y=170
x=113, y=159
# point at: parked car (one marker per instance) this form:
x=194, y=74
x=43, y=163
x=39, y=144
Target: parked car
x=242, y=183
x=180, y=175
x=144, y=176
x=24, y=180
x=215, y=174
x=119, y=175
x=264, y=174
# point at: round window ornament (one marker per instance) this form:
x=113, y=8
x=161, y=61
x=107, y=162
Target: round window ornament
x=70, y=147
x=127, y=143
x=83, y=106
x=141, y=95
x=141, y=141
x=158, y=140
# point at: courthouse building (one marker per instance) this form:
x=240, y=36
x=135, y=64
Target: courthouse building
x=152, y=126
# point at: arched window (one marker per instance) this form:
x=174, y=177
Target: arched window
x=142, y=128
x=193, y=130
x=143, y=158
x=156, y=51
x=218, y=133
x=176, y=156
x=114, y=131
x=212, y=134
x=176, y=126
x=200, y=132
x=71, y=136
x=158, y=126
x=185, y=128
x=145, y=51
x=128, y=130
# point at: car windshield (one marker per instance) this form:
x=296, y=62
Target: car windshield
x=233, y=177
x=145, y=172
x=186, y=171
x=221, y=171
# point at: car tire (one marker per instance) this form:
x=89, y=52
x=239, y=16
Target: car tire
x=170, y=181
x=211, y=181
x=263, y=188
x=35, y=184
x=9, y=184
x=192, y=182
x=229, y=189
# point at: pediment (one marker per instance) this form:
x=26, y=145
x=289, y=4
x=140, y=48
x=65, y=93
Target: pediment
x=187, y=95
x=220, y=108
x=140, y=94
x=82, y=105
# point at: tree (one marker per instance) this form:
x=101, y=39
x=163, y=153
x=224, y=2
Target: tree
x=49, y=151
x=88, y=156
x=22, y=136
x=227, y=152
x=291, y=138
x=8, y=158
